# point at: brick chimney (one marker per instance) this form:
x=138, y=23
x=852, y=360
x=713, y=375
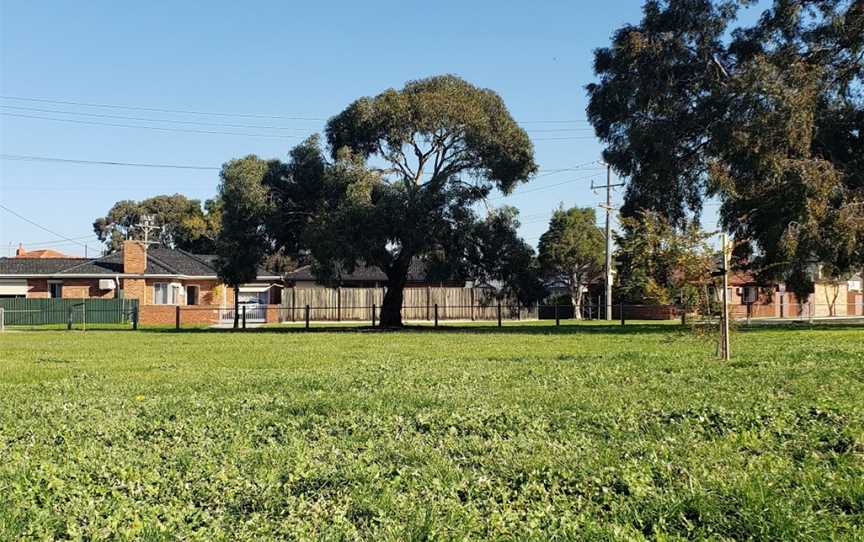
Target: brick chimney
x=20, y=251
x=134, y=257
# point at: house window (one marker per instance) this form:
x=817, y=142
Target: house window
x=750, y=294
x=191, y=295
x=55, y=290
x=165, y=293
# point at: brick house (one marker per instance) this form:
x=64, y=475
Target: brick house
x=829, y=298
x=161, y=279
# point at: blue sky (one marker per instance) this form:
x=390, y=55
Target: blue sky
x=276, y=59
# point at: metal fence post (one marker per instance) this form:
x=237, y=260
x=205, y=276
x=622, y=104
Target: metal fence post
x=436, y=314
x=307, y=316
x=684, y=315
x=176, y=316
x=499, y=313
x=244, y=316
x=135, y=318
x=557, y=317
x=621, y=310
x=373, y=314
x=69, y=321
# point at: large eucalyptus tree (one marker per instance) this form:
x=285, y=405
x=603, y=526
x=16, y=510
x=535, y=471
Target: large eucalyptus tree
x=408, y=166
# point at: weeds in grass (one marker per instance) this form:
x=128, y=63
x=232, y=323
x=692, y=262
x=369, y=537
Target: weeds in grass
x=580, y=432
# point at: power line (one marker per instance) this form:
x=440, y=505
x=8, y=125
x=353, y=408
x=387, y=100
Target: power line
x=28, y=158
x=40, y=226
x=216, y=132
x=158, y=110
x=28, y=244
x=569, y=138
x=521, y=192
x=170, y=121
x=224, y=114
x=219, y=124
x=187, y=130
x=33, y=158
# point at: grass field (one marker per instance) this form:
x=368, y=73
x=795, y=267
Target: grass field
x=529, y=432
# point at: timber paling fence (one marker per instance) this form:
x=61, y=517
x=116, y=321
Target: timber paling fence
x=346, y=304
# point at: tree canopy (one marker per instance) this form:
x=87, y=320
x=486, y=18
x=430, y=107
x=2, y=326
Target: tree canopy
x=242, y=243
x=407, y=166
x=495, y=255
x=571, y=250
x=400, y=180
x=183, y=222
x=661, y=264
x=769, y=118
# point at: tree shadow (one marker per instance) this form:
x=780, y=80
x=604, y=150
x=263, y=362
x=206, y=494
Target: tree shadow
x=509, y=328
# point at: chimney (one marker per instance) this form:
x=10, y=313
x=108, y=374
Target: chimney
x=20, y=251
x=134, y=257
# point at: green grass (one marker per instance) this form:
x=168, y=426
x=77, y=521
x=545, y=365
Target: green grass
x=528, y=432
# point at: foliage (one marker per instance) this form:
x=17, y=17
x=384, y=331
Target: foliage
x=409, y=164
x=582, y=432
x=571, y=250
x=769, y=117
x=182, y=222
x=496, y=255
x=661, y=264
x=242, y=242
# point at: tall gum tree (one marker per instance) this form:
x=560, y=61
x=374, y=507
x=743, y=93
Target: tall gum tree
x=769, y=118
x=433, y=149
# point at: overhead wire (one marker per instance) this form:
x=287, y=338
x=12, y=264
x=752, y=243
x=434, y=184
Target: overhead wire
x=226, y=114
x=160, y=128
x=40, y=226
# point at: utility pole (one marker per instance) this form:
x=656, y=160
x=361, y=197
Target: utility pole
x=608, y=206
x=724, y=334
x=147, y=224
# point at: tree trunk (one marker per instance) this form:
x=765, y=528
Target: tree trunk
x=236, y=307
x=391, y=306
x=576, y=297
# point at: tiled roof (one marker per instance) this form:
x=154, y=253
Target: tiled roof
x=36, y=266
x=363, y=273
x=41, y=253
x=160, y=261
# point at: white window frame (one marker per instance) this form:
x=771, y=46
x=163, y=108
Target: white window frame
x=172, y=296
x=55, y=283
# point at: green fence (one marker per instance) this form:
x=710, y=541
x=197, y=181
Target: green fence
x=34, y=312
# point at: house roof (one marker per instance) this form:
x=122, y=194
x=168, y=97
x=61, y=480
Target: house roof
x=364, y=273
x=41, y=253
x=36, y=266
x=160, y=261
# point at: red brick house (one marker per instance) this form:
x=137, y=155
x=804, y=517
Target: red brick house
x=161, y=279
x=829, y=298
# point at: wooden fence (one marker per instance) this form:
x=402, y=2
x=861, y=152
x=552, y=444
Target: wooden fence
x=338, y=304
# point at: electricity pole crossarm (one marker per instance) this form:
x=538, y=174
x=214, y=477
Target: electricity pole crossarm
x=608, y=207
x=147, y=225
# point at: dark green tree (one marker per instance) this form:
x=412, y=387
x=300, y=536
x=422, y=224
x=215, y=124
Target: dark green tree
x=243, y=243
x=496, y=255
x=571, y=251
x=409, y=164
x=182, y=221
x=769, y=118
